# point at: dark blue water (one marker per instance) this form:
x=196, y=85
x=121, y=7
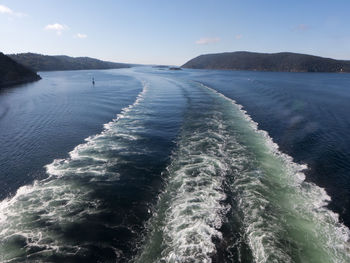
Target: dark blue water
x=151, y=165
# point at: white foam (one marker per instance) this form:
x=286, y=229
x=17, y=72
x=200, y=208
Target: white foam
x=300, y=200
x=58, y=199
x=57, y=167
x=190, y=209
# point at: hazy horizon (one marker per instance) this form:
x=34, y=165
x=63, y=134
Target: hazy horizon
x=161, y=32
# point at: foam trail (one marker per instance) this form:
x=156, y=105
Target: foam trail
x=285, y=218
x=190, y=210
x=195, y=213
x=34, y=222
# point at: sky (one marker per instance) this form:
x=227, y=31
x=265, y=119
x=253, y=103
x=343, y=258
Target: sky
x=173, y=31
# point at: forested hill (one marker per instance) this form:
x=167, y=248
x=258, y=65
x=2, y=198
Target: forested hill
x=12, y=73
x=286, y=61
x=39, y=62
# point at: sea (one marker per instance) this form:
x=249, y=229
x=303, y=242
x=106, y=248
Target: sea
x=156, y=165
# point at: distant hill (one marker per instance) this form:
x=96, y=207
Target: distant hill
x=39, y=62
x=12, y=73
x=286, y=61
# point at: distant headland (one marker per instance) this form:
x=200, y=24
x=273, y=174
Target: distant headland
x=38, y=62
x=13, y=73
x=285, y=62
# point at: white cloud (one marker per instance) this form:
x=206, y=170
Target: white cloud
x=9, y=11
x=56, y=27
x=238, y=36
x=207, y=40
x=5, y=10
x=79, y=35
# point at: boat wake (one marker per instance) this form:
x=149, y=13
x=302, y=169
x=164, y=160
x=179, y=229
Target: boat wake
x=225, y=194
x=49, y=219
x=225, y=167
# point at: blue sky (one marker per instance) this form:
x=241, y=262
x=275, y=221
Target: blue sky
x=172, y=32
